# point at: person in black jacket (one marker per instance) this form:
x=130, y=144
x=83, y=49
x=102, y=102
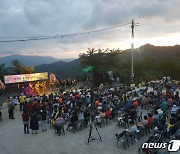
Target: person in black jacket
x=34, y=123
x=43, y=119
x=73, y=120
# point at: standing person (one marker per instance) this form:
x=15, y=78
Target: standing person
x=15, y=101
x=0, y=112
x=25, y=118
x=10, y=108
x=43, y=120
x=34, y=123
x=22, y=101
x=9, y=105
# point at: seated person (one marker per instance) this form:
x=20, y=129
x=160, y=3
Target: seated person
x=59, y=123
x=98, y=119
x=133, y=114
x=164, y=105
x=108, y=113
x=156, y=118
x=81, y=117
x=135, y=104
x=128, y=105
x=131, y=131
x=97, y=103
x=133, y=128
x=145, y=121
x=59, y=120
x=150, y=120
x=162, y=126
x=73, y=120
x=174, y=109
x=177, y=134
x=171, y=124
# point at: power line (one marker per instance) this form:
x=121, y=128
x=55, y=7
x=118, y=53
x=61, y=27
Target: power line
x=159, y=26
x=35, y=38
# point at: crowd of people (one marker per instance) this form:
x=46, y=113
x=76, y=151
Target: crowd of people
x=162, y=112
x=75, y=109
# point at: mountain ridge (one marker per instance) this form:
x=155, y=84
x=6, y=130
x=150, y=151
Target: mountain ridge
x=29, y=60
x=72, y=69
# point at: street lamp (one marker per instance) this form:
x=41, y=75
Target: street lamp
x=132, y=52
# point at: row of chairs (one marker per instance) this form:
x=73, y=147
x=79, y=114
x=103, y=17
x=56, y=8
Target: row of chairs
x=102, y=121
x=126, y=123
x=79, y=125
x=131, y=138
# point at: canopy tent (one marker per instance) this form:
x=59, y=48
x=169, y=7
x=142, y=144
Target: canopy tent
x=88, y=69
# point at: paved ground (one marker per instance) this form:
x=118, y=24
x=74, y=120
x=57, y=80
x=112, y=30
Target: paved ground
x=14, y=141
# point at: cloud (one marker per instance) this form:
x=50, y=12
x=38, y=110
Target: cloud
x=54, y=17
x=7, y=52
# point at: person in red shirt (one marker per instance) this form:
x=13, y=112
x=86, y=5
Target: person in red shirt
x=97, y=103
x=150, y=120
x=29, y=107
x=25, y=118
x=135, y=104
x=60, y=100
x=108, y=113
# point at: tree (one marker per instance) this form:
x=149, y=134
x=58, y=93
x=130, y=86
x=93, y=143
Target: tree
x=170, y=67
x=146, y=66
x=102, y=61
x=19, y=68
x=2, y=71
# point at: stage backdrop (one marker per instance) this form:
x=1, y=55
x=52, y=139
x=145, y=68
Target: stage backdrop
x=25, y=77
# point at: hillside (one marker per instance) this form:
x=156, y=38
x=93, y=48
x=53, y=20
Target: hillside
x=156, y=52
x=62, y=69
x=28, y=60
x=72, y=69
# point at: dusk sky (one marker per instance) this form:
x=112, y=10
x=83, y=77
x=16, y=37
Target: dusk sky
x=159, y=24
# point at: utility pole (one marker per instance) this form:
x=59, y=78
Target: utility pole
x=132, y=52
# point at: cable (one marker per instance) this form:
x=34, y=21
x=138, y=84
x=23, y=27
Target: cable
x=58, y=36
x=159, y=26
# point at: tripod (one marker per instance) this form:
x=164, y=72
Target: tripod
x=91, y=138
